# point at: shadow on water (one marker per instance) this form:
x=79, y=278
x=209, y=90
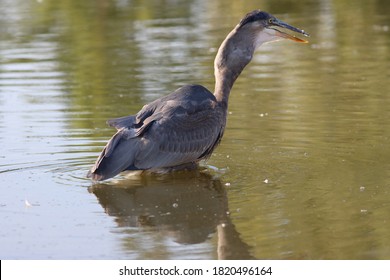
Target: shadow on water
x=187, y=206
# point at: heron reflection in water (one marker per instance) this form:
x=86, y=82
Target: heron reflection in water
x=184, y=127
x=184, y=207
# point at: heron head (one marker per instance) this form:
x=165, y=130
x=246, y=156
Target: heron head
x=267, y=28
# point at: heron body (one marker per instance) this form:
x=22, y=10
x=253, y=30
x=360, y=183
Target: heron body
x=184, y=127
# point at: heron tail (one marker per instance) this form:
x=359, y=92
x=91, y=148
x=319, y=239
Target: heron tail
x=118, y=155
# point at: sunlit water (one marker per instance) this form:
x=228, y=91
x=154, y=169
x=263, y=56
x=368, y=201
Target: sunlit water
x=303, y=171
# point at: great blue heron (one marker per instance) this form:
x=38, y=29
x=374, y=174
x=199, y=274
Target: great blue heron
x=184, y=127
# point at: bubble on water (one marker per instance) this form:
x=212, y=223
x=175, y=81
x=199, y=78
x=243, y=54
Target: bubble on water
x=266, y=181
x=27, y=203
x=362, y=188
x=165, y=214
x=175, y=205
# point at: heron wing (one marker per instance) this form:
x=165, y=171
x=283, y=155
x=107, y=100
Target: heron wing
x=179, y=134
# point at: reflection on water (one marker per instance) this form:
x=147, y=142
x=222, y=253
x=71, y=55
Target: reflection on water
x=306, y=149
x=188, y=207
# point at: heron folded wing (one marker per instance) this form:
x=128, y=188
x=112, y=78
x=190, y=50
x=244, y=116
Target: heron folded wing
x=178, y=139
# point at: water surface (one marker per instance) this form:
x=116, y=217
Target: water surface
x=303, y=171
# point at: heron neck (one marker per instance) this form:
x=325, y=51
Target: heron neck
x=224, y=82
x=233, y=55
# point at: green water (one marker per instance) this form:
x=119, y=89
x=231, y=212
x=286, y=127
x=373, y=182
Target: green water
x=303, y=171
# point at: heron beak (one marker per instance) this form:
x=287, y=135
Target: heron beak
x=279, y=23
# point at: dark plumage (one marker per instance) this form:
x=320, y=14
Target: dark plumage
x=184, y=127
x=255, y=16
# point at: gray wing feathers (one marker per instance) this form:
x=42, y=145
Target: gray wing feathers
x=178, y=140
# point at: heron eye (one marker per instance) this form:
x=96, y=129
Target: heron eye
x=270, y=21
